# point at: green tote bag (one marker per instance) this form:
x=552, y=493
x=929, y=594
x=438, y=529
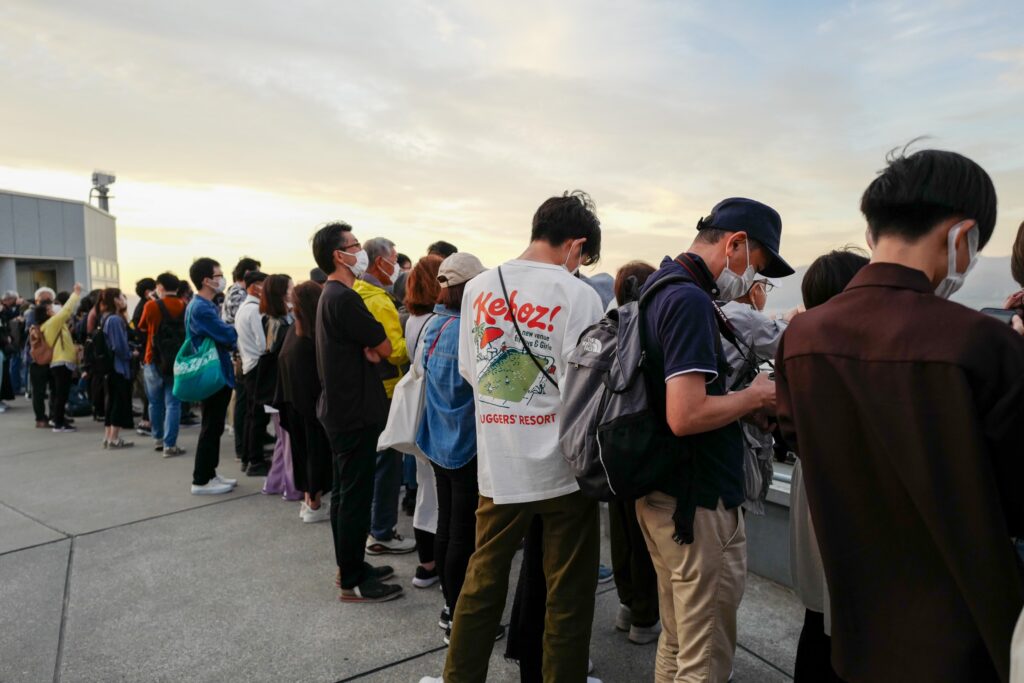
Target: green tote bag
x=197, y=370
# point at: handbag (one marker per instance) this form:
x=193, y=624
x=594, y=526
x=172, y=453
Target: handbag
x=197, y=371
x=407, y=405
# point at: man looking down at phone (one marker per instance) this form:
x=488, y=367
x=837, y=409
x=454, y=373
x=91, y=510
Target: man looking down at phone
x=699, y=552
x=905, y=410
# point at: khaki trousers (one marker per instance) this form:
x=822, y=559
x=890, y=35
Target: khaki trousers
x=699, y=589
x=571, y=549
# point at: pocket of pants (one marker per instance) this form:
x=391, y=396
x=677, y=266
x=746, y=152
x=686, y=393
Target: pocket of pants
x=738, y=530
x=660, y=501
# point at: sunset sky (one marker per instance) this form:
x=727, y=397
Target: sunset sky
x=237, y=127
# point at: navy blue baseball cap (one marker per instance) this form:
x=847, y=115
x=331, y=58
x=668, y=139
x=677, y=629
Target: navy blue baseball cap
x=761, y=223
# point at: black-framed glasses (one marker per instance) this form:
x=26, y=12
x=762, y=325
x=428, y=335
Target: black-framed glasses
x=349, y=246
x=767, y=284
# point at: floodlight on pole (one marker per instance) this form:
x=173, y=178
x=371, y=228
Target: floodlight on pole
x=101, y=182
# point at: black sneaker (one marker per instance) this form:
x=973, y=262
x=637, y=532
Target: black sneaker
x=497, y=636
x=258, y=469
x=382, y=573
x=371, y=590
x=425, y=578
x=446, y=619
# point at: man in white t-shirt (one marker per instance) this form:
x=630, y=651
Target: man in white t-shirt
x=519, y=323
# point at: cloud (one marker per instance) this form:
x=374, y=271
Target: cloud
x=249, y=123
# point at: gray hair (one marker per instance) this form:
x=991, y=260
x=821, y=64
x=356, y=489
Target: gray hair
x=378, y=246
x=11, y=294
x=45, y=290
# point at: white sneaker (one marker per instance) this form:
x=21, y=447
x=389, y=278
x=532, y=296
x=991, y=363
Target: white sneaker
x=321, y=514
x=396, y=545
x=303, y=510
x=224, y=480
x=642, y=635
x=212, y=487
x=431, y=679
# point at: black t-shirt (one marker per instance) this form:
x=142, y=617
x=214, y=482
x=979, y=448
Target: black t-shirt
x=352, y=397
x=683, y=337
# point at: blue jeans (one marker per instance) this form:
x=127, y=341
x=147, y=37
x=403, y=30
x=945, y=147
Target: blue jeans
x=409, y=472
x=387, y=485
x=17, y=373
x=164, y=408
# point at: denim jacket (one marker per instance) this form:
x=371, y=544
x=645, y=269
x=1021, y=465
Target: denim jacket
x=447, y=433
x=204, y=321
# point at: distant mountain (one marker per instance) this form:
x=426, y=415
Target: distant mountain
x=987, y=286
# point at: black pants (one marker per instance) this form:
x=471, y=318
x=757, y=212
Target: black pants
x=814, y=652
x=238, y=417
x=256, y=421
x=635, y=578
x=118, y=408
x=41, y=379
x=61, y=380
x=351, y=498
x=529, y=609
x=98, y=394
x=455, y=540
x=215, y=411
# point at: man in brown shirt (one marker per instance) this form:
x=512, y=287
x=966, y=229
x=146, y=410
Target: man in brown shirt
x=906, y=411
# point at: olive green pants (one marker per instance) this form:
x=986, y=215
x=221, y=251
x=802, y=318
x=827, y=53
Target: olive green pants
x=571, y=550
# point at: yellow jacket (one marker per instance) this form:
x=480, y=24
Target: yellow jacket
x=56, y=328
x=382, y=308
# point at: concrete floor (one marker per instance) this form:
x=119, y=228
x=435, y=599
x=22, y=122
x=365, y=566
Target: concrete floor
x=111, y=571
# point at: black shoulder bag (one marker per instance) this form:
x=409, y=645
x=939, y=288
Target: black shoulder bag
x=512, y=315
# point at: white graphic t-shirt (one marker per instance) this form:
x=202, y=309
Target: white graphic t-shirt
x=517, y=406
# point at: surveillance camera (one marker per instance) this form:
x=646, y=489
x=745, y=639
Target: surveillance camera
x=102, y=178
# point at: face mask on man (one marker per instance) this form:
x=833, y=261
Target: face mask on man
x=218, y=284
x=575, y=272
x=732, y=286
x=954, y=280
x=392, y=273
x=361, y=264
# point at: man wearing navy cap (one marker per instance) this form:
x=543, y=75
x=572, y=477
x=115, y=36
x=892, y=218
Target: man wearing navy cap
x=693, y=525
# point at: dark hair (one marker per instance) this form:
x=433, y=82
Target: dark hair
x=569, y=217
x=146, y=284
x=62, y=297
x=275, y=288
x=245, y=264
x=1017, y=257
x=626, y=291
x=307, y=298
x=42, y=313
x=201, y=269
x=451, y=297
x=442, y=249
x=326, y=241
x=915, y=193
x=422, y=289
x=108, y=299
x=169, y=281
x=184, y=289
x=404, y=261
x=830, y=274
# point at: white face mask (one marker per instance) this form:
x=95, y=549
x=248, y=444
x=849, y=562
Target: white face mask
x=395, y=270
x=575, y=272
x=732, y=286
x=218, y=284
x=361, y=264
x=954, y=280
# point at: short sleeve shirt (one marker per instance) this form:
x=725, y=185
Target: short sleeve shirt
x=352, y=397
x=683, y=337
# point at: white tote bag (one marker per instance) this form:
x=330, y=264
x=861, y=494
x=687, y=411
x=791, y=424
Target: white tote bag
x=407, y=406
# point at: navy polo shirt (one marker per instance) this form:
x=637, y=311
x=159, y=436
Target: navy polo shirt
x=682, y=336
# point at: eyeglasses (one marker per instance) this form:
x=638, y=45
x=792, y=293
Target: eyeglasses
x=348, y=246
x=767, y=284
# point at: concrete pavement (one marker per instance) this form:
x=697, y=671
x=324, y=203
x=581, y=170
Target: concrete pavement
x=110, y=570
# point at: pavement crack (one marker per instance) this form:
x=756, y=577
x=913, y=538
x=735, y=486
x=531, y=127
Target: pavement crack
x=63, y=533
x=64, y=615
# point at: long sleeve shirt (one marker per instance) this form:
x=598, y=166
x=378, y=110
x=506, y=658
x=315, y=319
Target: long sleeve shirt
x=252, y=340
x=384, y=311
x=905, y=410
x=115, y=329
x=204, y=321
x=56, y=332
x=232, y=300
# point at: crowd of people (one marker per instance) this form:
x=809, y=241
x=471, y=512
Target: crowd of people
x=901, y=407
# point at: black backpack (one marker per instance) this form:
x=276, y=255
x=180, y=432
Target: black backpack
x=266, y=366
x=98, y=352
x=168, y=340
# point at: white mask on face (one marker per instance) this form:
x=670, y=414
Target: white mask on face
x=575, y=271
x=218, y=284
x=361, y=264
x=394, y=271
x=732, y=286
x=954, y=280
